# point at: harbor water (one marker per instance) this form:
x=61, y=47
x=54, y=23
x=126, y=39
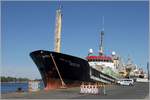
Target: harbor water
x=13, y=87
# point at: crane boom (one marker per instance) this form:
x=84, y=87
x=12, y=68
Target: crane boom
x=58, y=28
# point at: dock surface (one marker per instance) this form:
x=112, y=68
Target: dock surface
x=139, y=91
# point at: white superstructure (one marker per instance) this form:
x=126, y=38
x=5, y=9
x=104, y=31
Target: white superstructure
x=101, y=65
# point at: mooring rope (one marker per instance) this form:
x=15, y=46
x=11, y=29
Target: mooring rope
x=62, y=82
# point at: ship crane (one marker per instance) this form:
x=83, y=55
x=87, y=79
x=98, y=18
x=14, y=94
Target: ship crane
x=57, y=42
x=58, y=28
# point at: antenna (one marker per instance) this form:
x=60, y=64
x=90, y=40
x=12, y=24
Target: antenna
x=101, y=51
x=60, y=6
x=103, y=23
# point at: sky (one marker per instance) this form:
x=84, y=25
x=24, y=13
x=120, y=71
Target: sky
x=28, y=26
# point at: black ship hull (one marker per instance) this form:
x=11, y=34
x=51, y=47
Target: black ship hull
x=72, y=69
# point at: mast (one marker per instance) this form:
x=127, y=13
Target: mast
x=58, y=27
x=101, y=51
x=148, y=71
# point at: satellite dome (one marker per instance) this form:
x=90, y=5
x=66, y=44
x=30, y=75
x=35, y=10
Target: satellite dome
x=113, y=53
x=90, y=50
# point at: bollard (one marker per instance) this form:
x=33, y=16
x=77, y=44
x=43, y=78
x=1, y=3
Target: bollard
x=19, y=90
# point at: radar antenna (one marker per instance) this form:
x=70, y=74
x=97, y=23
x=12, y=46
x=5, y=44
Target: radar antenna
x=103, y=23
x=101, y=51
